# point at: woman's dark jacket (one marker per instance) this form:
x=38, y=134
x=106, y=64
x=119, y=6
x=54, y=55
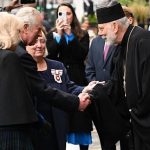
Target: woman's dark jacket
x=16, y=106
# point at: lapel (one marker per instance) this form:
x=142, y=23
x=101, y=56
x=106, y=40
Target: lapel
x=99, y=54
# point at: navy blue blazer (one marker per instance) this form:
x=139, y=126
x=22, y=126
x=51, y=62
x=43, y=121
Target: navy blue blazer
x=56, y=76
x=97, y=68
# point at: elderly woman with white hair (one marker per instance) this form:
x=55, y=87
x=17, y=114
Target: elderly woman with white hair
x=17, y=113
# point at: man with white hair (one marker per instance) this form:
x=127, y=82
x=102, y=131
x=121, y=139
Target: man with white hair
x=131, y=73
x=29, y=34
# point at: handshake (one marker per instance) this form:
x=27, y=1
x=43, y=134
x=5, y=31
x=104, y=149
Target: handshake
x=84, y=97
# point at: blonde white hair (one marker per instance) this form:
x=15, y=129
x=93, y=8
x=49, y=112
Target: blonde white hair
x=10, y=26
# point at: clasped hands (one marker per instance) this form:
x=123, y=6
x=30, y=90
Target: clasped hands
x=84, y=97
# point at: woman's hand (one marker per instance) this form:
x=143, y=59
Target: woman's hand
x=59, y=26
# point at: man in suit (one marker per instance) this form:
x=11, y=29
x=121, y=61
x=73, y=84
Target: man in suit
x=98, y=68
x=38, y=87
x=31, y=30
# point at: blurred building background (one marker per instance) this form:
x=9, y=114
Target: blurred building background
x=141, y=9
x=83, y=7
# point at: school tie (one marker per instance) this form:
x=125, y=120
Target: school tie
x=106, y=48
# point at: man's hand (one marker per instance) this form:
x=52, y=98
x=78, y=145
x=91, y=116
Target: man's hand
x=84, y=101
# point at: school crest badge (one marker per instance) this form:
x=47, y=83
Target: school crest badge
x=57, y=75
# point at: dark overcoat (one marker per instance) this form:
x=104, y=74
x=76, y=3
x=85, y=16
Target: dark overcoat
x=16, y=106
x=138, y=80
x=40, y=88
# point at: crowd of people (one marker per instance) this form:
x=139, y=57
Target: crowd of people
x=56, y=83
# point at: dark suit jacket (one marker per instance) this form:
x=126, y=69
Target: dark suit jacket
x=39, y=87
x=96, y=67
x=16, y=105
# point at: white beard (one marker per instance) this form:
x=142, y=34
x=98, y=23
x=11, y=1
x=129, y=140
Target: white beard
x=111, y=38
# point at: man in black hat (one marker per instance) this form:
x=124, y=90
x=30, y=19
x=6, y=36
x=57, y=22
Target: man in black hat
x=130, y=72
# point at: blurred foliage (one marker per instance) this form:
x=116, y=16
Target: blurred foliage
x=141, y=12
x=92, y=19
x=128, y=2
x=125, y=2
x=140, y=9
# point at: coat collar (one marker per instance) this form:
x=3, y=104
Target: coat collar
x=22, y=45
x=126, y=35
